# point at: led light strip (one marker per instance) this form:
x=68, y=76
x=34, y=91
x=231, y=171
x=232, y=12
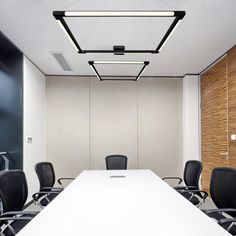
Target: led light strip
x=119, y=13
x=144, y=63
x=169, y=35
x=64, y=30
x=59, y=16
x=118, y=62
x=141, y=72
x=95, y=71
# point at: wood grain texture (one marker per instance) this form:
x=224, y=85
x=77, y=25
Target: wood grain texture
x=214, y=121
x=231, y=74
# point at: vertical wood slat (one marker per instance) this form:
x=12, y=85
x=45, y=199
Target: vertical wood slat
x=214, y=126
x=231, y=72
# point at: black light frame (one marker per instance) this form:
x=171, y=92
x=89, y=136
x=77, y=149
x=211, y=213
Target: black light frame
x=102, y=78
x=59, y=16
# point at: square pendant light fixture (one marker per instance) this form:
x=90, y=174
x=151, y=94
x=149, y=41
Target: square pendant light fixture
x=61, y=15
x=144, y=64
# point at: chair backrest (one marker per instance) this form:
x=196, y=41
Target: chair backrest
x=45, y=173
x=13, y=190
x=223, y=187
x=116, y=162
x=192, y=172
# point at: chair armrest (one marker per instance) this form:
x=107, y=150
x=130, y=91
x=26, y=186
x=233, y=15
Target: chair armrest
x=172, y=177
x=39, y=197
x=60, y=180
x=6, y=221
x=41, y=194
x=221, y=210
x=185, y=188
x=226, y=220
x=58, y=189
x=17, y=215
x=11, y=213
x=16, y=218
x=232, y=222
x=201, y=193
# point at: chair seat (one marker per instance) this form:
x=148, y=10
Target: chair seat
x=17, y=226
x=194, y=200
x=45, y=201
x=218, y=216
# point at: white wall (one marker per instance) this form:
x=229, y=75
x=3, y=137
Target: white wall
x=113, y=121
x=160, y=126
x=34, y=123
x=191, y=118
x=88, y=119
x=68, y=125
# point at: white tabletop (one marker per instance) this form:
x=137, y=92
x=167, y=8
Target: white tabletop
x=139, y=204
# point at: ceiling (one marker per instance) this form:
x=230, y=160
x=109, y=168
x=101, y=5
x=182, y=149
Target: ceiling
x=207, y=31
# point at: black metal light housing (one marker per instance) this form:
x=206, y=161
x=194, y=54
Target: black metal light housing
x=119, y=50
x=132, y=78
x=60, y=15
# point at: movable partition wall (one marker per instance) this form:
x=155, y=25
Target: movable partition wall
x=11, y=104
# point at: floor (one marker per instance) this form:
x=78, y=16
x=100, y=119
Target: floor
x=208, y=204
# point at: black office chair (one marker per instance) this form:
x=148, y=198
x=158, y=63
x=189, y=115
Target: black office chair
x=223, y=194
x=13, y=194
x=190, y=190
x=46, y=176
x=116, y=162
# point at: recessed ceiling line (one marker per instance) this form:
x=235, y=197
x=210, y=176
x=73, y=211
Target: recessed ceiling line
x=143, y=23
x=167, y=4
x=71, y=4
x=94, y=23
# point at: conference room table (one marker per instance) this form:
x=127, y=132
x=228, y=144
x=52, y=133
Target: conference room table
x=121, y=203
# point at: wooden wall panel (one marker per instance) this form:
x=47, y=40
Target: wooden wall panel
x=214, y=123
x=231, y=72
